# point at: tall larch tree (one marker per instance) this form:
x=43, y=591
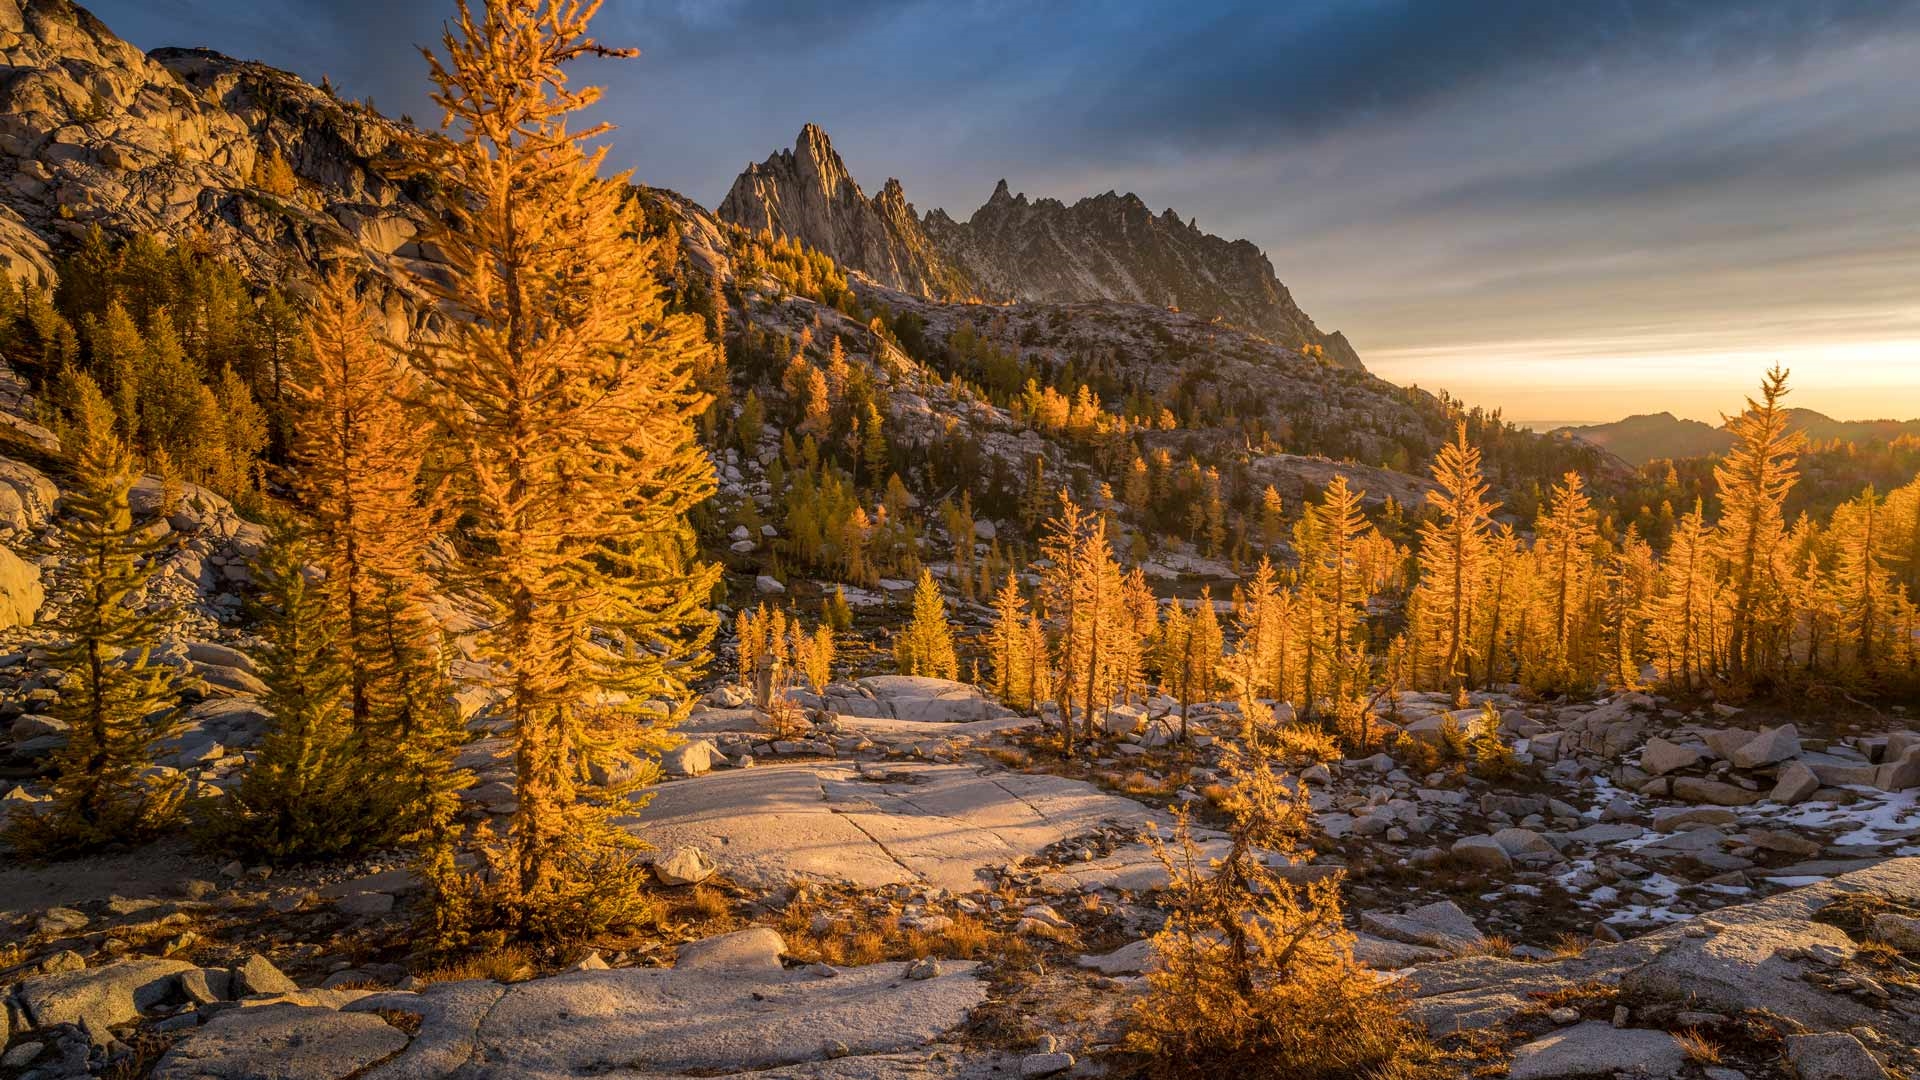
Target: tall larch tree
x=1453, y=558
x=1012, y=663
x=566, y=391
x=1680, y=606
x=1257, y=630
x=1753, y=481
x=1507, y=587
x=357, y=456
x=1190, y=647
x=1564, y=548
x=1337, y=584
x=1083, y=596
x=1863, y=585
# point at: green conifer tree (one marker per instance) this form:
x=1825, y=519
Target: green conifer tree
x=115, y=701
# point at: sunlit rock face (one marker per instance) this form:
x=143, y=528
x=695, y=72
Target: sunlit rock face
x=279, y=175
x=806, y=193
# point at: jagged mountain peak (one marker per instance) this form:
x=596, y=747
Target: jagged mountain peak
x=1108, y=246
x=807, y=193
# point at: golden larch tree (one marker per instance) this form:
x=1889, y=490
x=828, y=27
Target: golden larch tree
x=1565, y=536
x=565, y=390
x=1679, y=610
x=1753, y=481
x=1012, y=662
x=1453, y=559
x=356, y=455
x=925, y=646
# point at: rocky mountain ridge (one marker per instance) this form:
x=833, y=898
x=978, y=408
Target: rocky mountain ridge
x=1106, y=247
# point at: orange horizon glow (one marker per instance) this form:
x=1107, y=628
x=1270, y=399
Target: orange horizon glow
x=1600, y=381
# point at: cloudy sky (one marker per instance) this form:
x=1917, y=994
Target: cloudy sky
x=1573, y=211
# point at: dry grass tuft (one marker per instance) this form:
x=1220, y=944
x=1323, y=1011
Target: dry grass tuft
x=1491, y=945
x=1578, y=996
x=505, y=965
x=1013, y=757
x=861, y=936
x=1699, y=1049
x=1570, y=945
x=401, y=1020
x=709, y=902
x=1139, y=783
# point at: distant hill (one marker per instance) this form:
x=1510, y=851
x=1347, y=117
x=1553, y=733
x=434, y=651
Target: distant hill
x=1654, y=436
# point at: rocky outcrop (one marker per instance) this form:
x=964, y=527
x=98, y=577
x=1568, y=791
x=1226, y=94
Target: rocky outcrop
x=806, y=193
x=1108, y=247
x=21, y=591
x=271, y=170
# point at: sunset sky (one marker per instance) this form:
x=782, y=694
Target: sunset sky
x=1571, y=211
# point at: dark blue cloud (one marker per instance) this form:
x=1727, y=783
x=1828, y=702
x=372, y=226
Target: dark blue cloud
x=1262, y=70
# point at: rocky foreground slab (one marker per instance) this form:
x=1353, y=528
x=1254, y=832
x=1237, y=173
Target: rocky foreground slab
x=1804, y=961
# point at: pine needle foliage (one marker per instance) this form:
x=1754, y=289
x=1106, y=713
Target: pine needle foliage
x=567, y=393
x=357, y=454
x=116, y=702
x=1493, y=759
x=1012, y=659
x=308, y=794
x=1257, y=977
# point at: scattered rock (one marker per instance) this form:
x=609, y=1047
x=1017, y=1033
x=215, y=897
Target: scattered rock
x=59, y=921
x=1697, y=789
x=756, y=948
x=1440, y=925
x=690, y=758
x=1796, y=784
x=1775, y=840
x=1900, y=931
x=686, y=865
x=1036, y=1065
x=257, y=975
x=1597, y=1049
x=1129, y=959
x=1768, y=747
x=1661, y=757
x=365, y=903
x=1832, y=1055
x=1483, y=851
x=21, y=592
x=98, y=999
x=284, y=1042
